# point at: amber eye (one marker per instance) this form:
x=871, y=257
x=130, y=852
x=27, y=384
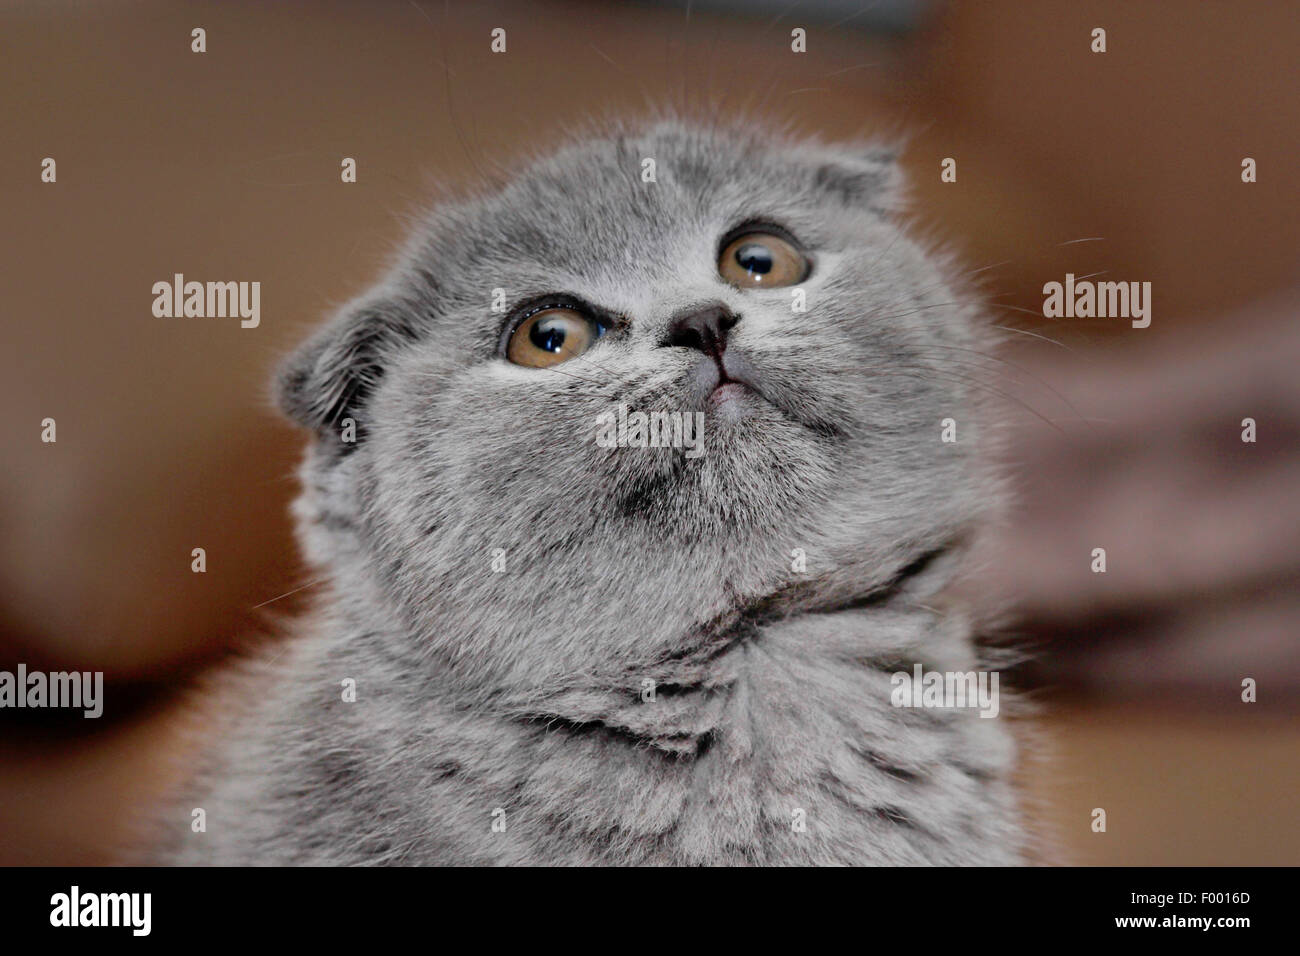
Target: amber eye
x=761, y=260
x=551, y=336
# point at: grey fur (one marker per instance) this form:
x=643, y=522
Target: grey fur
x=520, y=691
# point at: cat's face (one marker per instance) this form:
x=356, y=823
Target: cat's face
x=756, y=282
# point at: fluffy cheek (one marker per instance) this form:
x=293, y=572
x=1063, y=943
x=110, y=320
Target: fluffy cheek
x=479, y=462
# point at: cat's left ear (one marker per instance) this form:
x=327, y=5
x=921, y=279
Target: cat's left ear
x=331, y=376
x=866, y=175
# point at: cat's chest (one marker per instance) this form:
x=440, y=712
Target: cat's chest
x=793, y=758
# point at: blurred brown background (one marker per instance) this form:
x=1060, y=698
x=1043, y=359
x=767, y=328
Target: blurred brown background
x=225, y=165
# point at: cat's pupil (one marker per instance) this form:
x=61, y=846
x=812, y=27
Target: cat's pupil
x=547, y=335
x=754, y=258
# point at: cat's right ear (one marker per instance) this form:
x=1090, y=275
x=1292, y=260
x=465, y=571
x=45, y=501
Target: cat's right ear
x=331, y=376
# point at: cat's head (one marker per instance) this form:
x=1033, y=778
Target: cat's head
x=757, y=280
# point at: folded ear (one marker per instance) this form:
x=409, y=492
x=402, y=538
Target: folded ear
x=332, y=375
x=866, y=175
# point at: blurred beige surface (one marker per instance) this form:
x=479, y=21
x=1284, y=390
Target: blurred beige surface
x=225, y=166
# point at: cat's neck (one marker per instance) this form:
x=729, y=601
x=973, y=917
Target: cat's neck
x=756, y=749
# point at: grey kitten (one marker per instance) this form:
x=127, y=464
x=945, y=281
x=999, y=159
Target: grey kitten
x=576, y=654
